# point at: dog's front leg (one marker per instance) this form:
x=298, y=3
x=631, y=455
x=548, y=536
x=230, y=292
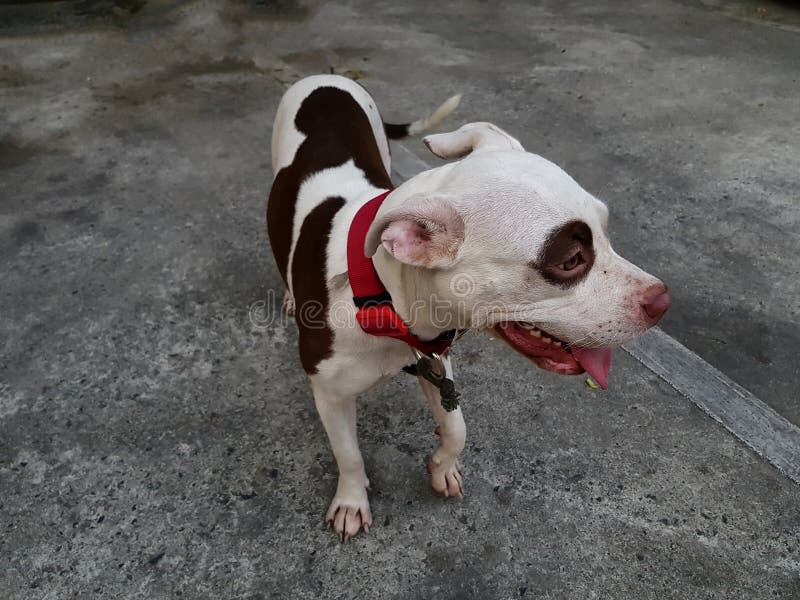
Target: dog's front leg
x=349, y=511
x=444, y=467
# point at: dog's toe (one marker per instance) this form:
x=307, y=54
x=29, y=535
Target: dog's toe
x=348, y=518
x=446, y=479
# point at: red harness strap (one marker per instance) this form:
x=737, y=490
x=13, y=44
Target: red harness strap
x=376, y=314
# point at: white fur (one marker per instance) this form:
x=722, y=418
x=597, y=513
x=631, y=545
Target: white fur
x=439, y=115
x=471, y=138
x=345, y=179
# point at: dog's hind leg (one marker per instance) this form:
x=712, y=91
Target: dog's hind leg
x=349, y=511
x=445, y=470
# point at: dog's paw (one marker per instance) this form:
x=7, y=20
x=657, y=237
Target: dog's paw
x=446, y=477
x=349, y=513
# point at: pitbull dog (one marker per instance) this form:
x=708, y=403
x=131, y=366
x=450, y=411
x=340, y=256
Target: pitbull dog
x=500, y=240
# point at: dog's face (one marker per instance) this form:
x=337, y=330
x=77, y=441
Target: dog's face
x=518, y=247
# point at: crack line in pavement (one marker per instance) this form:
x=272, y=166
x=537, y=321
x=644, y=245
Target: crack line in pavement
x=749, y=419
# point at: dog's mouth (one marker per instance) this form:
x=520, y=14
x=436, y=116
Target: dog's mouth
x=552, y=354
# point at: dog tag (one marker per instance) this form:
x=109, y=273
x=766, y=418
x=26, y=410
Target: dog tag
x=446, y=386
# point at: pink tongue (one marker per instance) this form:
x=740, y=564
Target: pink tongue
x=596, y=362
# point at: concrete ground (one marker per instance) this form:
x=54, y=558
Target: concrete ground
x=157, y=437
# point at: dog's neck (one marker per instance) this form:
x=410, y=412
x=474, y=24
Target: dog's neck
x=415, y=296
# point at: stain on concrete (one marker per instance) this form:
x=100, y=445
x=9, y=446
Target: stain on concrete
x=57, y=178
x=13, y=77
x=288, y=10
x=773, y=12
x=27, y=232
x=174, y=80
x=45, y=16
x=15, y=152
x=80, y=215
x=324, y=60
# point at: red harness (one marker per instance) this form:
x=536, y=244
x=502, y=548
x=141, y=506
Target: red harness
x=376, y=314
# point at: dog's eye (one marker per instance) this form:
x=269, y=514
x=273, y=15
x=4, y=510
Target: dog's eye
x=573, y=263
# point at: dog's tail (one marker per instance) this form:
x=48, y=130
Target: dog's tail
x=396, y=131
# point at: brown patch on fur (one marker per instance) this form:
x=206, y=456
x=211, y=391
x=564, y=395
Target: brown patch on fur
x=561, y=245
x=310, y=287
x=337, y=130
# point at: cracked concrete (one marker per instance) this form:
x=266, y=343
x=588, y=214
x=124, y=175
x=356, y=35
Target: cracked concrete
x=157, y=437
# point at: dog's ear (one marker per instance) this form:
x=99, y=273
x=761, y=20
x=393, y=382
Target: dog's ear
x=472, y=137
x=424, y=232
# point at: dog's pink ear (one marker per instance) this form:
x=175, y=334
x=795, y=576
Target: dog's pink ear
x=424, y=233
x=472, y=137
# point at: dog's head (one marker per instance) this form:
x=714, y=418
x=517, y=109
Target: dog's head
x=518, y=247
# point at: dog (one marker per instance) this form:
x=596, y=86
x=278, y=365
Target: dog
x=498, y=239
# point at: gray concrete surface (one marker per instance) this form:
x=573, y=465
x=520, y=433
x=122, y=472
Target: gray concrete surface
x=157, y=439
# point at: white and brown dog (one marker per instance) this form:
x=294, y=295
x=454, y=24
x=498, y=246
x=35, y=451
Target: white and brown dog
x=500, y=240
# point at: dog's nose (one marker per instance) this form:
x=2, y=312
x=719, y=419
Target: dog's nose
x=656, y=300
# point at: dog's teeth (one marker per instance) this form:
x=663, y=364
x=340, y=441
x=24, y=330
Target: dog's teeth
x=527, y=326
x=555, y=343
x=536, y=333
x=546, y=340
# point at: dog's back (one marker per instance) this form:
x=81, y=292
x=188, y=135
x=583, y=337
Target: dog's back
x=322, y=123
